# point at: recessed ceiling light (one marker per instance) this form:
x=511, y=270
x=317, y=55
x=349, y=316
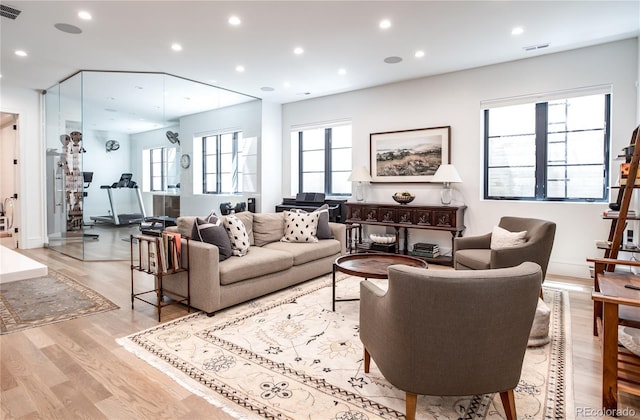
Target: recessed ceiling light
x=239, y=69
x=267, y=89
x=419, y=54
x=84, y=15
x=342, y=72
x=21, y=53
x=385, y=24
x=298, y=50
x=517, y=30
x=392, y=60
x=234, y=20
x=287, y=84
x=70, y=29
x=176, y=47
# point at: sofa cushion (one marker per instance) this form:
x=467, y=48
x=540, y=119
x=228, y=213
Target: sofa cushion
x=305, y=252
x=237, y=235
x=267, y=228
x=185, y=225
x=300, y=227
x=213, y=232
x=258, y=262
x=475, y=259
x=324, y=231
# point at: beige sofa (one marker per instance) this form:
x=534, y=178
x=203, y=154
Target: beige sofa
x=270, y=265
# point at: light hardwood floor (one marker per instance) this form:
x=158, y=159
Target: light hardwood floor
x=75, y=369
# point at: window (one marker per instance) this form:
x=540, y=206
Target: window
x=160, y=169
x=229, y=163
x=556, y=150
x=321, y=160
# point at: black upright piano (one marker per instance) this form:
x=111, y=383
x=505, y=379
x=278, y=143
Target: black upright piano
x=311, y=201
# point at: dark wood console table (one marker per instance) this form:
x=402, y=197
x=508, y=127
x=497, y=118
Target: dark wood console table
x=400, y=216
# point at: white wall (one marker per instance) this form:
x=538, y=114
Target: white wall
x=454, y=99
x=244, y=117
x=271, y=158
x=30, y=205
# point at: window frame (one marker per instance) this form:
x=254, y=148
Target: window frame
x=152, y=175
x=328, y=163
x=235, y=160
x=541, y=146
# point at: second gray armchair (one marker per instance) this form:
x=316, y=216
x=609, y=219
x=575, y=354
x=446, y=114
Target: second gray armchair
x=475, y=253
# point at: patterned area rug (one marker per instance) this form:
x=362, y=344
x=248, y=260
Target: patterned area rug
x=288, y=356
x=44, y=300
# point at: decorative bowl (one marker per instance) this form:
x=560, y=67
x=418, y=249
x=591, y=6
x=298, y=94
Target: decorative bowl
x=403, y=199
x=382, y=238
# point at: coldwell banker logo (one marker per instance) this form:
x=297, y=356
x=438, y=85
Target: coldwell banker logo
x=602, y=412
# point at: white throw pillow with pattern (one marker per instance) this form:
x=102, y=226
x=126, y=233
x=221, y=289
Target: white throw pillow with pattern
x=237, y=235
x=300, y=227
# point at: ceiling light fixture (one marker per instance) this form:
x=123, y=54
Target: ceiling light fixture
x=392, y=60
x=298, y=50
x=385, y=24
x=342, y=72
x=176, y=47
x=234, y=21
x=419, y=54
x=517, y=30
x=267, y=89
x=84, y=15
x=287, y=84
x=239, y=69
x=21, y=53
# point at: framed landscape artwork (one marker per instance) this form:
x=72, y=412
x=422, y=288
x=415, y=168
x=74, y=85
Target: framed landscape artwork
x=409, y=155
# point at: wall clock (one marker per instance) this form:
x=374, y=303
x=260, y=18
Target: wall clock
x=185, y=161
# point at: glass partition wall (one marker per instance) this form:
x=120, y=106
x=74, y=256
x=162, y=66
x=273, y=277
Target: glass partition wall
x=114, y=146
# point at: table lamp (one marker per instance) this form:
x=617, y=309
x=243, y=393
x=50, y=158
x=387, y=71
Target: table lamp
x=360, y=175
x=446, y=174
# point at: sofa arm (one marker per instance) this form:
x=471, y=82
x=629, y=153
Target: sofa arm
x=472, y=242
x=339, y=232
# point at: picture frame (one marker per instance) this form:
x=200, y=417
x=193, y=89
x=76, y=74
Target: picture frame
x=409, y=155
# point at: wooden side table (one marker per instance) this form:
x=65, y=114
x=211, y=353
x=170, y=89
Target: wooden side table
x=620, y=367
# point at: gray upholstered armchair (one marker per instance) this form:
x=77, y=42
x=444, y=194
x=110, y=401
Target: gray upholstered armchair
x=432, y=327
x=475, y=253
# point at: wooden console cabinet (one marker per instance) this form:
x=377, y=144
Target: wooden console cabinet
x=400, y=216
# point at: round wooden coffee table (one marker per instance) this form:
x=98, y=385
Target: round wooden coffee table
x=369, y=266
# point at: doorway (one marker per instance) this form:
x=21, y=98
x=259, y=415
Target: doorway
x=9, y=180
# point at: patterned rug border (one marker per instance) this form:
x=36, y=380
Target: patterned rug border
x=560, y=371
x=100, y=304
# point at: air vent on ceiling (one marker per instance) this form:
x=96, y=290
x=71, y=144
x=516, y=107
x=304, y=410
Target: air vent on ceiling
x=535, y=47
x=9, y=12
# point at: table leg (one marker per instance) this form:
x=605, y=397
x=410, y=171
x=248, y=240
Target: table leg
x=333, y=296
x=610, y=356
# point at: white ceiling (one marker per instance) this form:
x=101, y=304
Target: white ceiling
x=455, y=35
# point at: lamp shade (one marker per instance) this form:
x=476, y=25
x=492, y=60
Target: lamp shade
x=446, y=173
x=359, y=174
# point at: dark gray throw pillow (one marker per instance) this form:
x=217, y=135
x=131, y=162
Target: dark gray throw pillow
x=212, y=232
x=324, y=231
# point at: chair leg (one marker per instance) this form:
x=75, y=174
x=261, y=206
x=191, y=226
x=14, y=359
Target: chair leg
x=367, y=361
x=410, y=405
x=509, y=403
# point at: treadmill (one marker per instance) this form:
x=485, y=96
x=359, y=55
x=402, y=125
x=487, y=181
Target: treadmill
x=122, y=219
